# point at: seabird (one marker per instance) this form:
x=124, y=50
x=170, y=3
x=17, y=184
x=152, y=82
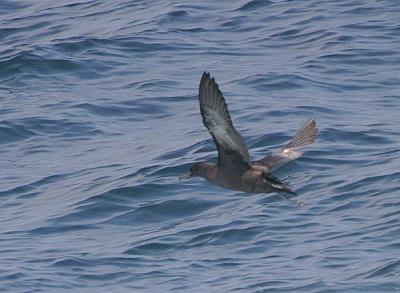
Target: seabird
x=234, y=170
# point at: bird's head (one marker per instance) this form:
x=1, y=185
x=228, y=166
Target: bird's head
x=201, y=169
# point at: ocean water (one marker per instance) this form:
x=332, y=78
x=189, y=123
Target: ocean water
x=99, y=117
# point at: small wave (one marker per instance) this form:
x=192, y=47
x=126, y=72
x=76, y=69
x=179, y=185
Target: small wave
x=13, y=132
x=26, y=128
x=254, y=4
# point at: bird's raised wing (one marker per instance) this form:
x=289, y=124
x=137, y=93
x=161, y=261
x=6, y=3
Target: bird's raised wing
x=305, y=136
x=230, y=144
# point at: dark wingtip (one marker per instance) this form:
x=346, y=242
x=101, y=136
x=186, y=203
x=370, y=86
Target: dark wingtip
x=284, y=189
x=278, y=186
x=204, y=77
x=289, y=191
x=209, y=82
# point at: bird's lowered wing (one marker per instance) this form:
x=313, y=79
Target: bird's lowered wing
x=230, y=144
x=305, y=136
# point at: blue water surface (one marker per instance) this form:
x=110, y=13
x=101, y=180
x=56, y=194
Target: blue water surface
x=99, y=117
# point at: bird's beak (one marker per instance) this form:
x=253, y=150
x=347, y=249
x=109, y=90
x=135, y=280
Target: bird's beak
x=185, y=176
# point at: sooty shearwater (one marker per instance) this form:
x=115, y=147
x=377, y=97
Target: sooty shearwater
x=234, y=170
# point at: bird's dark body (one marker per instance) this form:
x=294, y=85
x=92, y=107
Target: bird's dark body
x=252, y=180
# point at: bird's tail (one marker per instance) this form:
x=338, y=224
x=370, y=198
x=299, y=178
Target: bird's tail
x=305, y=136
